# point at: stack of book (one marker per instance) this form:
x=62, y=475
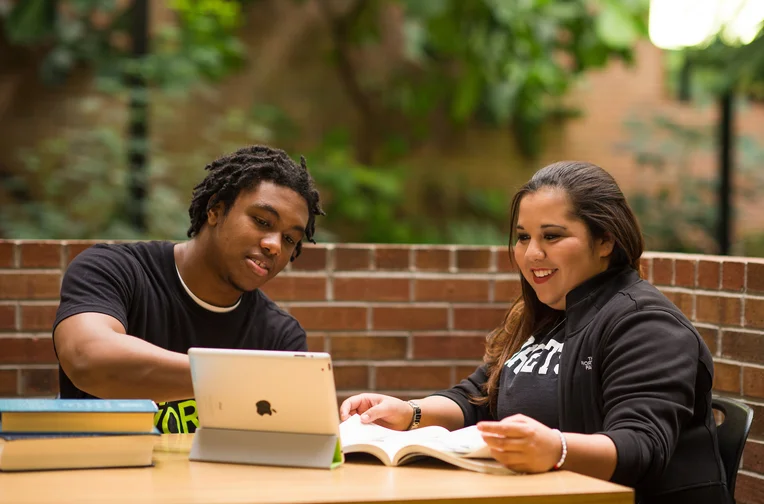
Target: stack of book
x=43, y=434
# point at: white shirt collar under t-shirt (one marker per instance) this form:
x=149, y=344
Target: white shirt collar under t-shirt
x=204, y=304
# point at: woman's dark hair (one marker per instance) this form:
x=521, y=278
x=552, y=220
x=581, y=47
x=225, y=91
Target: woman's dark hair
x=245, y=169
x=597, y=201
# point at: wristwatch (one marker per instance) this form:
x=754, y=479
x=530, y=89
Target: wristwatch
x=416, y=417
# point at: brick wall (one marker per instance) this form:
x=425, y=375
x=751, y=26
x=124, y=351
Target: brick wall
x=383, y=310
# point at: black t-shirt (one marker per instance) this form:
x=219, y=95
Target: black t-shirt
x=138, y=284
x=527, y=384
x=529, y=379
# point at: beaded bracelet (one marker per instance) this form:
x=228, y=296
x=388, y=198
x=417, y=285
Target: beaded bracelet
x=559, y=463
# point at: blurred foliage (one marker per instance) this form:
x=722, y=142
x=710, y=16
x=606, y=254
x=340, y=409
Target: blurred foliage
x=503, y=63
x=202, y=46
x=75, y=186
x=717, y=67
x=678, y=209
x=511, y=62
x=507, y=63
x=700, y=75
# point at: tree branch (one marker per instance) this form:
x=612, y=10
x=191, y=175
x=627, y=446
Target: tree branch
x=339, y=26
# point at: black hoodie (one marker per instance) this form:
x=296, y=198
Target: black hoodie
x=634, y=369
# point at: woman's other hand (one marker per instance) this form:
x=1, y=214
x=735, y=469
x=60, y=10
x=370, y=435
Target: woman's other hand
x=381, y=409
x=522, y=444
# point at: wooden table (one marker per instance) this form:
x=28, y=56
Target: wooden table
x=174, y=479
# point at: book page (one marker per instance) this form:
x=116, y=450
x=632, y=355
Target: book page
x=353, y=432
x=466, y=442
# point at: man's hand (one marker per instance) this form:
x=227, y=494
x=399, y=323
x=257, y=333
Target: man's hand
x=522, y=444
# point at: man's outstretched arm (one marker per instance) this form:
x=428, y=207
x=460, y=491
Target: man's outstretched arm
x=101, y=359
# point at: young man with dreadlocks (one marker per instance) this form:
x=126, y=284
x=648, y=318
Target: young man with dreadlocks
x=130, y=312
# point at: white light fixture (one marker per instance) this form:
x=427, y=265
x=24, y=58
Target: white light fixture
x=676, y=24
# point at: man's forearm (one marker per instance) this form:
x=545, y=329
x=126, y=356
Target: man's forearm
x=126, y=367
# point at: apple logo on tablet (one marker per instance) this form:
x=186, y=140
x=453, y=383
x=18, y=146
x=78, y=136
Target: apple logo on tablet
x=264, y=408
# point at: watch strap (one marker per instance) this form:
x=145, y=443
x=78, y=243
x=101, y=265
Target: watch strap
x=416, y=417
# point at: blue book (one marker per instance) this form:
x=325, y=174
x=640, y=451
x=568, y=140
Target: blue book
x=77, y=415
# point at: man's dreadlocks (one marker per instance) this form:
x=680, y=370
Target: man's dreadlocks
x=245, y=169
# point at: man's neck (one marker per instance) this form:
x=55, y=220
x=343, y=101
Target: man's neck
x=200, y=277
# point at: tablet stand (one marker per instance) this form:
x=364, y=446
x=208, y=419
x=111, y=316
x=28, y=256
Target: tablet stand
x=266, y=448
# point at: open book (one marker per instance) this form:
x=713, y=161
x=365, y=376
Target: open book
x=464, y=448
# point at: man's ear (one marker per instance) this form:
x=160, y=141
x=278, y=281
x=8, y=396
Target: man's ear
x=606, y=244
x=215, y=214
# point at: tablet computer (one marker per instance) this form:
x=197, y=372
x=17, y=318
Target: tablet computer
x=264, y=390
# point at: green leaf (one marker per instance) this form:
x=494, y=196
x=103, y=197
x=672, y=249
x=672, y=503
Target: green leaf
x=468, y=92
x=615, y=26
x=31, y=21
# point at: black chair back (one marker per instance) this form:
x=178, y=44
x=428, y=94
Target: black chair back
x=732, y=434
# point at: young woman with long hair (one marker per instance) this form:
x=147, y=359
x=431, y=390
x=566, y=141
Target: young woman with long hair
x=593, y=370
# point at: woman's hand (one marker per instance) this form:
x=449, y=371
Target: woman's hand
x=384, y=410
x=522, y=444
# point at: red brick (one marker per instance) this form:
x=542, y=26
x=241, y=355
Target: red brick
x=478, y=318
x=754, y=313
x=507, y=290
x=352, y=257
x=409, y=318
x=709, y=336
x=412, y=377
x=402, y=395
x=371, y=289
x=682, y=300
x=448, y=289
x=753, y=382
x=39, y=382
x=753, y=456
x=36, y=317
x=295, y=288
x=351, y=377
x=392, y=258
x=7, y=317
x=749, y=489
x=368, y=347
x=40, y=255
x=7, y=254
x=432, y=259
x=312, y=258
x=8, y=382
x=327, y=318
x=733, y=276
x=316, y=342
x=503, y=261
x=646, y=268
x=663, y=271
x=726, y=377
x=463, y=372
x=757, y=427
x=448, y=347
x=23, y=285
x=708, y=274
x=27, y=351
x=74, y=248
x=718, y=309
x=473, y=259
x=755, y=282
x=743, y=346
x=684, y=273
